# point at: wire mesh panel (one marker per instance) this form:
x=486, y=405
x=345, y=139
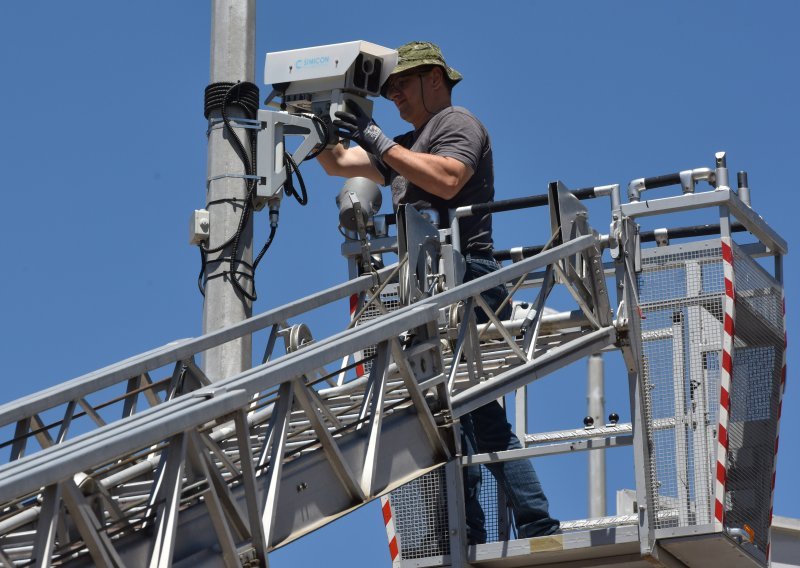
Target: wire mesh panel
x=755, y=397
x=420, y=512
x=390, y=301
x=421, y=520
x=493, y=504
x=680, y=293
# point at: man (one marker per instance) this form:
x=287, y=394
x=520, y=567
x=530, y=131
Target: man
x=444, y=163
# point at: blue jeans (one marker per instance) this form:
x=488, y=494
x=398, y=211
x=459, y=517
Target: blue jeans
x=486, y=429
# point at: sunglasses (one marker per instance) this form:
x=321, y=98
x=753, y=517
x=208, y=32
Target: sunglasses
x=401, y=83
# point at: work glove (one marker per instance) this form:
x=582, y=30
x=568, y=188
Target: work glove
x=362, y=130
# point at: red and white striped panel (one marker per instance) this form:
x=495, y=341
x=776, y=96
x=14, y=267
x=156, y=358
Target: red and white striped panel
x=391, y=534
x=780, y=409
x=726, y=374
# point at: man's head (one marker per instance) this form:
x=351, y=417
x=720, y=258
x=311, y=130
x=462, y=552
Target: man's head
x=421, y=82
x=417, y=56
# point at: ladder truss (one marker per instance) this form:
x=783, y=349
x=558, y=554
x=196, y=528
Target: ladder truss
x=148, y=462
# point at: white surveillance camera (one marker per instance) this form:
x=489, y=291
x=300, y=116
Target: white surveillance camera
x=316, y=81
x=356, y=67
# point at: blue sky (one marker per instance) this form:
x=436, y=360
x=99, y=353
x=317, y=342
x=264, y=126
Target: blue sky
x=103, y=157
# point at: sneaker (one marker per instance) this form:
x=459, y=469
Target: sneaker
x=552, y=531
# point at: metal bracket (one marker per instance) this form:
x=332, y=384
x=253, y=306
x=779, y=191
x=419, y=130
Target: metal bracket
x=271, y=146
x=662, y=237
x=420, y=240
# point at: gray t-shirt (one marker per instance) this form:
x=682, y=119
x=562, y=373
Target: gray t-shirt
x=453, y=132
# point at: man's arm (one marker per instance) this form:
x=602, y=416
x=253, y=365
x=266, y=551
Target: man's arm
x=442, y=176
x=351, y=162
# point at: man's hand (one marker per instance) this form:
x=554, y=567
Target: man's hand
x=362, y=130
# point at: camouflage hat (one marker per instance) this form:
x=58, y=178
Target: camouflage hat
x=419, y=54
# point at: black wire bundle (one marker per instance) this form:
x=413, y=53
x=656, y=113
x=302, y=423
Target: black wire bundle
x=220, y=96
x=245, y=95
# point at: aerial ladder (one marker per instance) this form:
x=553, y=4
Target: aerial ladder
x=148, y=462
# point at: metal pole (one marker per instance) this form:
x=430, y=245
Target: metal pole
x=597, y=458
x=232, y=59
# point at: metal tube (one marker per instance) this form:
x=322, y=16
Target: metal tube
x=517, y=203
x=518, y=253
x=721, y=172
x=550, y=323
x=595, y=395
x=553, y=360
x=635, y=187
x=613, y=192
x=744, y=188
x=455, y=232
x=686, y=232
x=232, y=60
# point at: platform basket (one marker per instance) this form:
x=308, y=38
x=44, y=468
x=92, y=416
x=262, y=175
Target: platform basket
x=690, y=414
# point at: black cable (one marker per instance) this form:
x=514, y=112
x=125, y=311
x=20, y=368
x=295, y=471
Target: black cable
x=266, y=246
x=202, y=272
x=288, y=187
x=204, y=262
x=326, y=135
x=219, y=96
x=246, y=97
x=231, y=200
x=422, y=93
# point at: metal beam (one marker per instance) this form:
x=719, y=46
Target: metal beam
x=374, y=405
x=558, y=357
x=720, y=197
x=254, y=508
x=89, y=383
x=148, y=428
x=549, y=450
x=224, y=518
x=169, y=497
x=417, y=397
x=329, y=445
x=280, y=427
x=89, y=527
x=46, y=527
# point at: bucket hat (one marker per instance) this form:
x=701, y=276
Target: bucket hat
x=418, y=54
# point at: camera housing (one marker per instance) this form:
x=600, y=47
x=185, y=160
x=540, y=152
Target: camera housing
x=307, y=76
x=320, y=81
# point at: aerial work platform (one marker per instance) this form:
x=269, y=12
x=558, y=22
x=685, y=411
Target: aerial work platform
x=147, y=462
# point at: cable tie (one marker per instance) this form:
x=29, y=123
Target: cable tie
x=252, y=123
x=237, y=176
x=230, y=200
x=244, y=123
